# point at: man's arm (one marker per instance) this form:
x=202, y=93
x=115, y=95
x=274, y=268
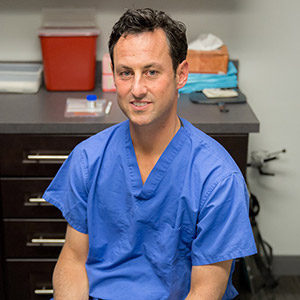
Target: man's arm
x=208, y=282
x=69, y=277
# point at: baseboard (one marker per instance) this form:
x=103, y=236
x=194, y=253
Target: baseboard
x=286, y=265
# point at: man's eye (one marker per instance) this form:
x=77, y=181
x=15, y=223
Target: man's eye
x=125, y=74
x=152, y=72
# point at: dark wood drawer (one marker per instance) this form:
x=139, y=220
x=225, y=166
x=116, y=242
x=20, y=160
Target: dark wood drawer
x=33, y=238
x=237, y=146
x=31, y=280
x=35, y=155
x=22, y=198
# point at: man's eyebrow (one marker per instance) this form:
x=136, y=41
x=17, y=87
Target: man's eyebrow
x=122, y=67
x=154, y=64
x=150, y=65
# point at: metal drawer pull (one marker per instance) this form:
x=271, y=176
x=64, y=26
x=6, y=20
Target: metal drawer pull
x=48, y=241
x=36, y=200
x=43, y=292
x=46, y=157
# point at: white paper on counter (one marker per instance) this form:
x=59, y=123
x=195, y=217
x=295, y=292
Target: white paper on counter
x=80, y=108
x=206, y=42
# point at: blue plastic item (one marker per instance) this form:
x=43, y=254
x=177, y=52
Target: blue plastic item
x=91, y=101
x=199, y=81
x=91, y=97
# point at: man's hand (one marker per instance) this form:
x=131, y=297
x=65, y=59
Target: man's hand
x=209, y=282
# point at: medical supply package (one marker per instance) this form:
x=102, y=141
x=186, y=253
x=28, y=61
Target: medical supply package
x=199, y=81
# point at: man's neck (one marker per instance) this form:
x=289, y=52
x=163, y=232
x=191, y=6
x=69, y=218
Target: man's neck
x=153, y=139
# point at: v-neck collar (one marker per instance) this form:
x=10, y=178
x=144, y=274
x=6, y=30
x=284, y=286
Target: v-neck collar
x=144, y=191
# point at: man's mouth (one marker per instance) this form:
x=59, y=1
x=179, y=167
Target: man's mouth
x=140, y=104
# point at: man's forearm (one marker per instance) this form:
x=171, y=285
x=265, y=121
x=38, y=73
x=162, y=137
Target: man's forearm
x=208, y=282
x=205, y=295
x=70, y=281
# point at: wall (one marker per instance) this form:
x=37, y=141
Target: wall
x=263, y=36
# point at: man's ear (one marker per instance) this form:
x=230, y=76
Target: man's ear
x=182, y=74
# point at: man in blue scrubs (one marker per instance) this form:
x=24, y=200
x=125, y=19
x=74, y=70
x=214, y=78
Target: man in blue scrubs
x=156, y=209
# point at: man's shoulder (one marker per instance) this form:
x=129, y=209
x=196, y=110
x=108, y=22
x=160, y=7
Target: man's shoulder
x=104, y=136
x=208, y=152
x=200, y=139
x=94, y=147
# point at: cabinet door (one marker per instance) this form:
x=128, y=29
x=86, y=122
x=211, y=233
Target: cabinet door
x=35, y=155
x=29, y=280
x=22, y=198
x=33, y=238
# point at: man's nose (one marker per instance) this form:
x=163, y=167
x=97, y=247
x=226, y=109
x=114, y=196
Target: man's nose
x=139, y=88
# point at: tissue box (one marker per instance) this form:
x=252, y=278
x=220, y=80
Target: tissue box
x=214, y=61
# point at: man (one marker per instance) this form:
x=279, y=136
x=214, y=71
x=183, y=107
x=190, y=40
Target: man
x=156, y=209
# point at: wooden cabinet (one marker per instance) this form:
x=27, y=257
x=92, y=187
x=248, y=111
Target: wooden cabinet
x=32, y=231
x=29, y=279
x=34, y=155
x=237, y=146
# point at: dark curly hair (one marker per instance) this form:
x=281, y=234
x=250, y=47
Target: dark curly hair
x=135, y=21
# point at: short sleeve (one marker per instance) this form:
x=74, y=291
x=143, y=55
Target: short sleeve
x=224, y=231
x=68, y=191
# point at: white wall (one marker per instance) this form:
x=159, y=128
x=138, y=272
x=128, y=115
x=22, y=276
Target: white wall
x=263, y=35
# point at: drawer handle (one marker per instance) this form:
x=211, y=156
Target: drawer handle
x=46, y=157
x=36, y=200
x=43, y=292
x=47, y=241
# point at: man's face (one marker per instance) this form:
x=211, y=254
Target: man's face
x=147, y=87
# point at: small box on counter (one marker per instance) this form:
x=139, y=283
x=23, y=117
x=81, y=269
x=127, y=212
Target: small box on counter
x=213, y=61
x=107, y=75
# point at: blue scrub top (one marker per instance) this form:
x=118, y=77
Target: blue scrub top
x=144, y=238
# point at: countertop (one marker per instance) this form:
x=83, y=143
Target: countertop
x=43, y=113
